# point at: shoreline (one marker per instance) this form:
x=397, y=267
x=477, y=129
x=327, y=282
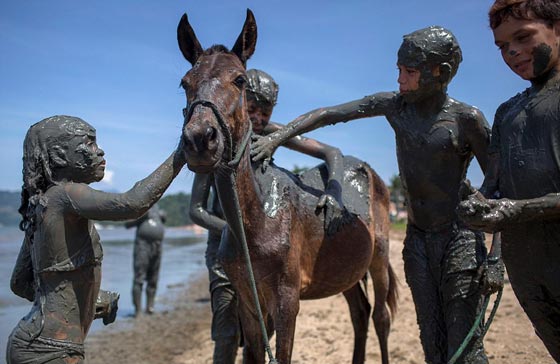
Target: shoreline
x=158, y=338
x=181, y=334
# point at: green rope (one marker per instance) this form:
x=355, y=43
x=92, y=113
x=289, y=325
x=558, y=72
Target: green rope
x=234, y=161
x=493, y=313
x=485, y=328
x=250, y=272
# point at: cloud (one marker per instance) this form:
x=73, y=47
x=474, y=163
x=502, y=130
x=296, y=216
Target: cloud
x=108, y=178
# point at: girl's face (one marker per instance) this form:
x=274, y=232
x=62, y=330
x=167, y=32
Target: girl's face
x=529, y=47
x=85, y=158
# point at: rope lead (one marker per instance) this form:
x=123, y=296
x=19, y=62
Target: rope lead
x=485, y=328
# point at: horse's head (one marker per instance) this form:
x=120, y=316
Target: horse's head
x=216, y=120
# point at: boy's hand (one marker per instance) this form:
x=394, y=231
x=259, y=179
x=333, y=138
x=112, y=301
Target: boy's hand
x=336, y=214
x=263, y=147
x=472, y=207
x=493, y=277
x=485, y=214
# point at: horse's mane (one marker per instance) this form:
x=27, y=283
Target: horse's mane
x=216, y=48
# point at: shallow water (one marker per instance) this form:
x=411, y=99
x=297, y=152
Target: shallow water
x=182, y=257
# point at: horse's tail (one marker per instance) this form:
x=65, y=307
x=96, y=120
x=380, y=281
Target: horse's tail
x=379, y=205
x=393, y=292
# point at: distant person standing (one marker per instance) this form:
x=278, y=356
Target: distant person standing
x=147, y=256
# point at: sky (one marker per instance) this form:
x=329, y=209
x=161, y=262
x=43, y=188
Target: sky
x=116, y=64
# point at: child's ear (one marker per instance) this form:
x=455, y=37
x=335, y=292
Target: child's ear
x=444, y=73
x=57, y=157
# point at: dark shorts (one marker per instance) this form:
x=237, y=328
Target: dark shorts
x=440, y=268
x=23, y=349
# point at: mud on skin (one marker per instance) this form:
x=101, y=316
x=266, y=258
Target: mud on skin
x=59, y=264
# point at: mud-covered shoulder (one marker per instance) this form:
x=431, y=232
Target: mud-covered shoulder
x=509, y=105
x=57, y=195
x=464, y=112
x=381, y=102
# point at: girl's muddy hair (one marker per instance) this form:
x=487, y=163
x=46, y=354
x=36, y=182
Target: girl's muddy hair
x=37, y=174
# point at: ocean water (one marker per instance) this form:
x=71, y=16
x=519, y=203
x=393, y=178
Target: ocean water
x=182, y=258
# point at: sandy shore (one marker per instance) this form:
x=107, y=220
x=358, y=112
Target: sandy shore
x=181, y=335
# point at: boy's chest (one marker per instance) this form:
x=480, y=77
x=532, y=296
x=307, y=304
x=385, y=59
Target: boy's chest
x=429, y=138
x=529, y=142
x=532, y=124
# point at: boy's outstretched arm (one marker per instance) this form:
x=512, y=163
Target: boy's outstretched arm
x=263, y=148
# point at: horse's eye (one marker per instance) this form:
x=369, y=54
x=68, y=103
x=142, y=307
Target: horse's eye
x=240, y=81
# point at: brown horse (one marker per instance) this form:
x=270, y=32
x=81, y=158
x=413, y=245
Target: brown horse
x=291, y=255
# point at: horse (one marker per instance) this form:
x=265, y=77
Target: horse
x=292, y=257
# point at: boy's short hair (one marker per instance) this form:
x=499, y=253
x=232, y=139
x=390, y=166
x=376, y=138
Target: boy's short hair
x=261, y=87
x=548, y=10
x=432, y=46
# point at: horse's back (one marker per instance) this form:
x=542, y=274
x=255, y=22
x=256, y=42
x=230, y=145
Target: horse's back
x=364, y=193
x=362, y=188
x=348, y=252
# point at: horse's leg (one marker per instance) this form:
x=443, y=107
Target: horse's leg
x=253, y=343
x=287, y=309
x=360, y=310
x=385, y=288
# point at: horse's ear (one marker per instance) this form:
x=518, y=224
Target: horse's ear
x=247, y=40
x=188, y=44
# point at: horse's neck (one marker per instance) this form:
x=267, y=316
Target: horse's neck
x=240, y=183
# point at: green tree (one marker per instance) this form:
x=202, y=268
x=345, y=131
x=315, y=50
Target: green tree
x=176, y=207
x=397, y=193
x=299, y=170
x=396, y=188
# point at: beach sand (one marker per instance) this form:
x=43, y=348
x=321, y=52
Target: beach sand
x=181, y=334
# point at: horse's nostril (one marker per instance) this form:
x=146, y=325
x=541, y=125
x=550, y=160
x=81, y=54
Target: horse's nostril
x=210, y=133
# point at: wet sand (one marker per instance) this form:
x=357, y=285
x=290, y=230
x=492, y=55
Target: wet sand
x=181, y=334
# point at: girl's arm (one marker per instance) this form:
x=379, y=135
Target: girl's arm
x=22, y=281
x=98, y=205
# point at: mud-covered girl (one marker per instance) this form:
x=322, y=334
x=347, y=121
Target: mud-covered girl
x=59, y=265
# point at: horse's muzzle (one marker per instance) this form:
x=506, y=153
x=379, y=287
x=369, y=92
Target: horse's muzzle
x=203, y=147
